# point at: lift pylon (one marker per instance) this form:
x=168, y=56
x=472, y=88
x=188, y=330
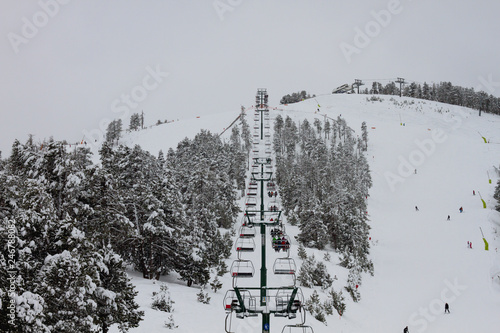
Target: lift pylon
x=283, y=301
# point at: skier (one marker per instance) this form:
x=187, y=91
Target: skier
x=461, y=209
x=473, y=192
x=448, y=218
x=406, y=330
x=446, y=308
x=416, y=208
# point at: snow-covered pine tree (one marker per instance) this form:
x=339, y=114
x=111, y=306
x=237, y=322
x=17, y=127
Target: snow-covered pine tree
x=330, y=185
x=364, y=136
x=148, y=244
x=113, y=131
x=237, y=158
x=317, y=124
x=115, y=294
x=327, y=128
x=209, y=198
x=135, y=122
x=290, y=136
x=246, y=136
x=47, y=245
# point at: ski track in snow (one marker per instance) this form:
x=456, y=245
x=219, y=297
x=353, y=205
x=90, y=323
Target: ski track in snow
x=421, y=260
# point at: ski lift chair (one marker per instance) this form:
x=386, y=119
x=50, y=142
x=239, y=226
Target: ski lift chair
x=272, y=206
x=252, y=192
x=298, y=328
x=244, y=244
x=247, y=232
x=288, y=302
x=281, y=243
x=242, y=269
x=231, y=303
x=284, y=266
x=251, y=202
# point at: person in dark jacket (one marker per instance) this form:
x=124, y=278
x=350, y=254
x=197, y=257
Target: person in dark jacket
x=446, y=308
x=406, y=330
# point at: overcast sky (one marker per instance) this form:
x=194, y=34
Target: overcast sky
x=69, y=66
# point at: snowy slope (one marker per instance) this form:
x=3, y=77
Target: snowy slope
x=421, y=259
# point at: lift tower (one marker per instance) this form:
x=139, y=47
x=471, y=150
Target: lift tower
x=283, y=301
x=401, y=82
x=261, y=100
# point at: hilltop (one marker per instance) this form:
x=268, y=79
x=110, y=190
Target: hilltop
x=421, y=153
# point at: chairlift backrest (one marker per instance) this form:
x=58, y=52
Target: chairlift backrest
x=245, y=244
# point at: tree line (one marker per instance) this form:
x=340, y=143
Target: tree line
x=324, y=180
x=69, y=228
x=295, y=97
x=443, y=92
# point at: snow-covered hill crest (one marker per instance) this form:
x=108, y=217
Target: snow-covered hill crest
x=427, y=160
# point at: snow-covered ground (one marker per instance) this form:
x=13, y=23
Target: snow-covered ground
x=421, y=153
